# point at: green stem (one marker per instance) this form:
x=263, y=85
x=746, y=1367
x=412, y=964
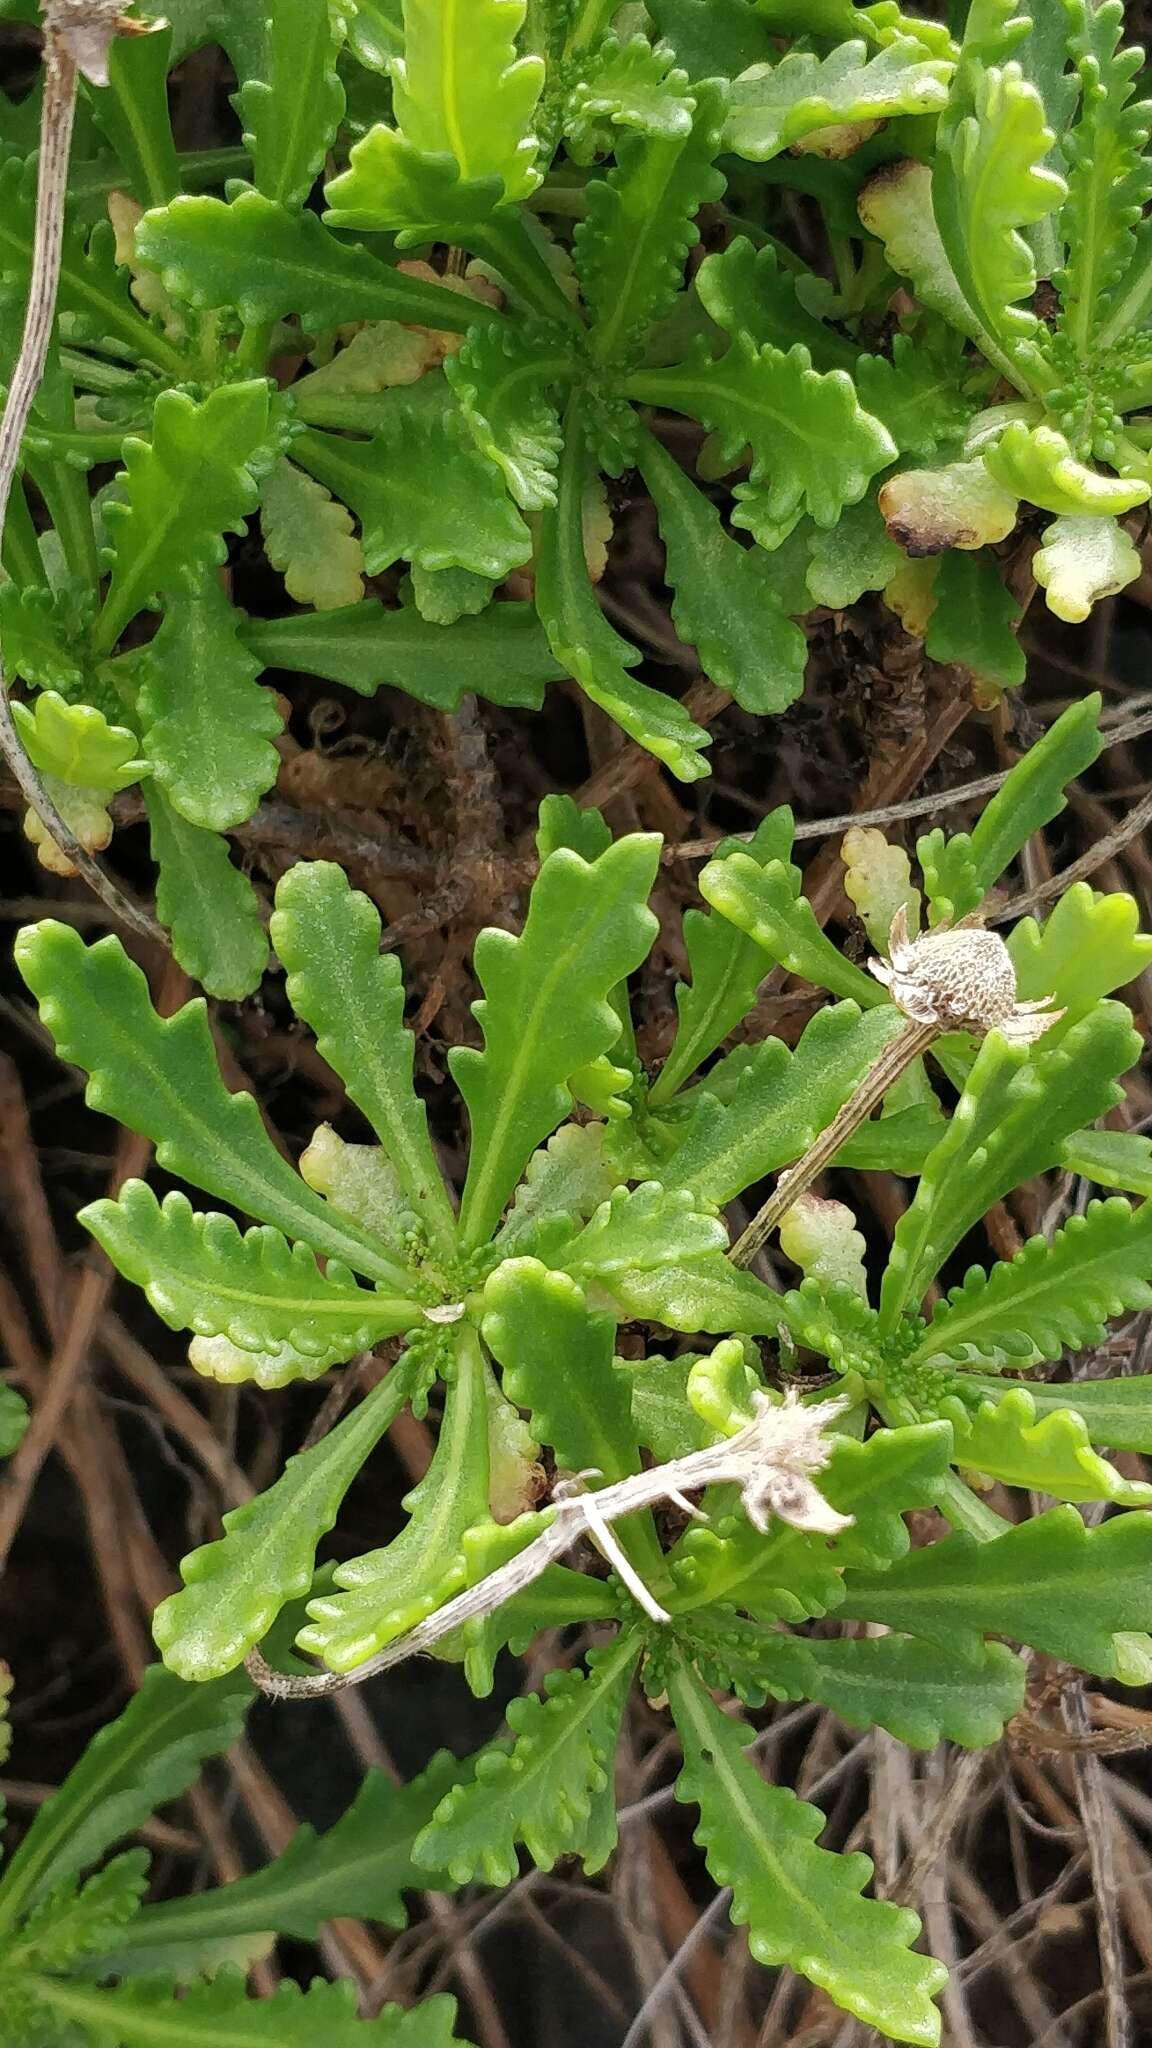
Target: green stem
x=65, y=492
x=21, y=552
x=251, y=357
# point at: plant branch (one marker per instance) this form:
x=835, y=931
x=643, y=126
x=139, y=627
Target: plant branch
x=895, y=1059
x=76, y=36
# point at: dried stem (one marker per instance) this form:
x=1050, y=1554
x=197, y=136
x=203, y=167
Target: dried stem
x=65, y=23
x=896, y=1057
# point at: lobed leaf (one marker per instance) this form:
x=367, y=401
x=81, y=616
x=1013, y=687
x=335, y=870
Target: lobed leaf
x=76, y=744
x=150, y=1754
x=964, y=867
x=236, y=1586
x=642, y=1227
x=583, y=642
x=352, y=996
x=724, y=602
x=556, y=1359
x=74, y=1919
x=147, y=2010
x=1109, y=180
x=1117, y=1412
x=460, y=88
x=1050, y=1582
x=545, y=1013
x=358, y=1869
x=727, y=966
x=469, y=523
x=159, y=1076
x=292, y=108
x=764, y=901
x=201, y=1273
x=268, y=261
x=640, y=226
x=916, y=1690
x=1010, y=1123
x=567, y=1179
x=183, y=490
x=1083, y=558
x=504, y=379
x=774, y=106
x=802, y=1905
x=208, y=905
x=1049, y=1453
x=389, y=1590
x=197, y=683
x=502, y=655
x=783, y=1103
x=550, y=1788
x=1037, y=463
x=309, y=538
x=625, y=85
x=1051, y=1296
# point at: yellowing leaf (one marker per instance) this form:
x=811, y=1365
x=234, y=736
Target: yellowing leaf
x=309, y=537
x=1038, y=464
x=85, y=810
x=1083, y=559
x=960, y=505
x=75, y=744
x=878, y=878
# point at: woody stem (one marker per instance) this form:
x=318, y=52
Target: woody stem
x=895, y=1059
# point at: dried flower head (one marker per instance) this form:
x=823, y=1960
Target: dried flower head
x=960, y=980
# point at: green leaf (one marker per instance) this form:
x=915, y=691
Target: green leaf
x=1113, y=1159
x=291, y=111
x=550, y=1788
x=712, y=38
x=763, y=902
x=1050, y=1582
x=388, y=1591
x=992, y=178
x=208, y=905
x=36, y=638
x=1083, y=559
x=92, y=290
x=640, y=226
x=151, y=1753
x=1037, y=463
x=1018, y=1106
x=309, y=538
x=73, y=1920
x=76, y=744
x=855, y=556
x=791, y=1574
x=159, y=1076
x=1108, y=174
x=583, y=642
x=1052, y=1453
x=132, y=111
x=352, y=996
x=208, y=727
x=964, y=867
x=502, y=655
x=14, y=1419
x=642, y=1227
x=184, y=489
x=201, y=1273
x=782, y=1104
x=916, y=1690
x=973, y=621
x=445, y=595
x=556, y=1356
x=1115, y=1412
x=563, y=823
x=727, y=967
x=724, y=601
x=758, y=294
x=814, y=448
x=504, y=378
x=626, y=85
x=568, y=1178
x=269, y=261
x=703, y=1294
x=545, y=1011
x=221, y=2015
x=776, y=105
x=235, y=1587
x=1051, y=1296
x=923, y=393
x=358, y=1869
x=800, y=1904
x=460, y=89
x=469, y=523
